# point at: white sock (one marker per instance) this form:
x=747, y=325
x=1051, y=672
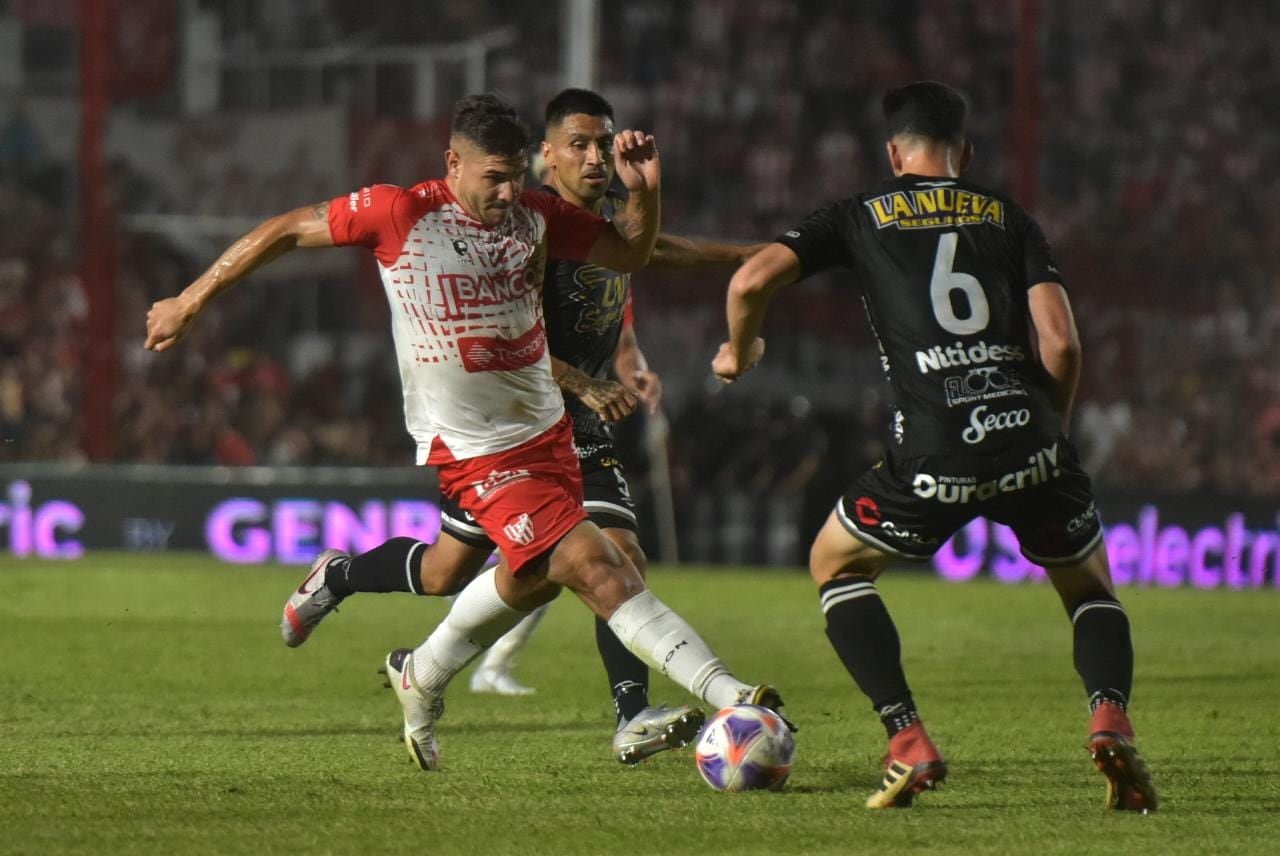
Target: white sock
x=665, y=641
x=502, y=654
x=478, y=618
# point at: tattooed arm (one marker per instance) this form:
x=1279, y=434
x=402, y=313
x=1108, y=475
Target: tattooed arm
x=610, y=400
x=169, y=319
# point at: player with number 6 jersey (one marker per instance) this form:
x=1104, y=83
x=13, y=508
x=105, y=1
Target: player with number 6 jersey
x=954, y=277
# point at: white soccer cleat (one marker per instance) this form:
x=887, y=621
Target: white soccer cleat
x=657, y=729
x=313, y=600
x=422, y=710
x=498, y=682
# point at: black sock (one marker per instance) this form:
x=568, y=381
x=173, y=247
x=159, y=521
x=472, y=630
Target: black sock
x=1103, y=650
x=628, y=675
x=866, y=640
x=393, y=566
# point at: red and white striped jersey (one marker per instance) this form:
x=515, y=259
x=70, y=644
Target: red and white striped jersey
x=466, y=309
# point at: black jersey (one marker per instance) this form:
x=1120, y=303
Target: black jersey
x=584, y=305
x=945, y=266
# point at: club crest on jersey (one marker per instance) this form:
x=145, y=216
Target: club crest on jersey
x=935, y=208
x=520, y=530
x=460, y=246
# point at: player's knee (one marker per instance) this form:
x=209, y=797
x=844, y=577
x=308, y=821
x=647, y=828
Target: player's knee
x=635, y=554
x=827, y=564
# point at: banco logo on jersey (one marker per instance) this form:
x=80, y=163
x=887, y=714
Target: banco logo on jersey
x=495, y=354
x=960, y=490
x=982, y=384
x=954, y=356
x=982, y=423
x=520, y=530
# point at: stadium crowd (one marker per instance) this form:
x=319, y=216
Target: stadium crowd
x=1157, y=157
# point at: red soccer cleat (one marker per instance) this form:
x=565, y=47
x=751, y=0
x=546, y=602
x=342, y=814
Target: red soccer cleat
x=912, y=764
x=1111, y=746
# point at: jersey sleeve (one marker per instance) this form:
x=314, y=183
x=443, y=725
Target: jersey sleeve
x=1038, y=258
x=369, y=218
x=571, y=231
x=818, y=241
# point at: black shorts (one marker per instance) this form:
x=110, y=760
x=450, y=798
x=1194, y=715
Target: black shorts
x=910, y=507
x=607, y=500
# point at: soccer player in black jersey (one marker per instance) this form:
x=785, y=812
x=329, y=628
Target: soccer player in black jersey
x=587, y=312
x=953, y=278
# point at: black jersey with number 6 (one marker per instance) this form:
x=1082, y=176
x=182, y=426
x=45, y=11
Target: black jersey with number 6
x=945, y=266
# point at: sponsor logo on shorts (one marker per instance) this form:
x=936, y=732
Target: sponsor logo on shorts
x=496, y=481
x=1043, y=467
x=982, y=384
x=867, y=512
x=869, y=515
x=495, y=354
x=957, y=355
x=520, y=530
x=982, y=423
x=1084, y=521
x=907, y=536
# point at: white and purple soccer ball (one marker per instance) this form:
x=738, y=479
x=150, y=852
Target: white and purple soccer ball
x=745, y=748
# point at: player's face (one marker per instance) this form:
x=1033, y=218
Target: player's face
x=487, y=185
x=579, y=156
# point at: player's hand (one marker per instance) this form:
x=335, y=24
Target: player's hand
x=648, y=387
x=729, y=365
x=635, y=157
x=610, y=400
x=168, y=321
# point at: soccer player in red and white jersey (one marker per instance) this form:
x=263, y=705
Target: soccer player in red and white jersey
x=462, y=260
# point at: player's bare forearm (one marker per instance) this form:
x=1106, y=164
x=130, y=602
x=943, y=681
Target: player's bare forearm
x=632, y=368
x=627, y=246
x=752, y=288
x=637, y=225
x=1063, y=363
x=610, y=400
x=628, y=358
x=169, y=319
x=267, y=242
x=1059, y=343
x=672, y=252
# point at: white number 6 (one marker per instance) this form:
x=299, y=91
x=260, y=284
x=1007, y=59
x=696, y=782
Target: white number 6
x=945, y=280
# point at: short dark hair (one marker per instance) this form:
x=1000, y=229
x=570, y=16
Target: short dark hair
x=570, y=101
x=491, y=124
x=927, y=109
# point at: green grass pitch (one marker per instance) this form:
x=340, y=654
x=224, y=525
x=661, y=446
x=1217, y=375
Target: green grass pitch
x=148, y=705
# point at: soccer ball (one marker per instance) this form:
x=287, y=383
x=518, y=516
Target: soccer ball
x=745, y=748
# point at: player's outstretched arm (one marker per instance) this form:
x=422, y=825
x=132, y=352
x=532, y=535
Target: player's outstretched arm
x=169, y=319
x=672, y=252
x=610, y=400
x=629, y=363
x=626, y=246
x=1059, y=343
x=750, y=291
